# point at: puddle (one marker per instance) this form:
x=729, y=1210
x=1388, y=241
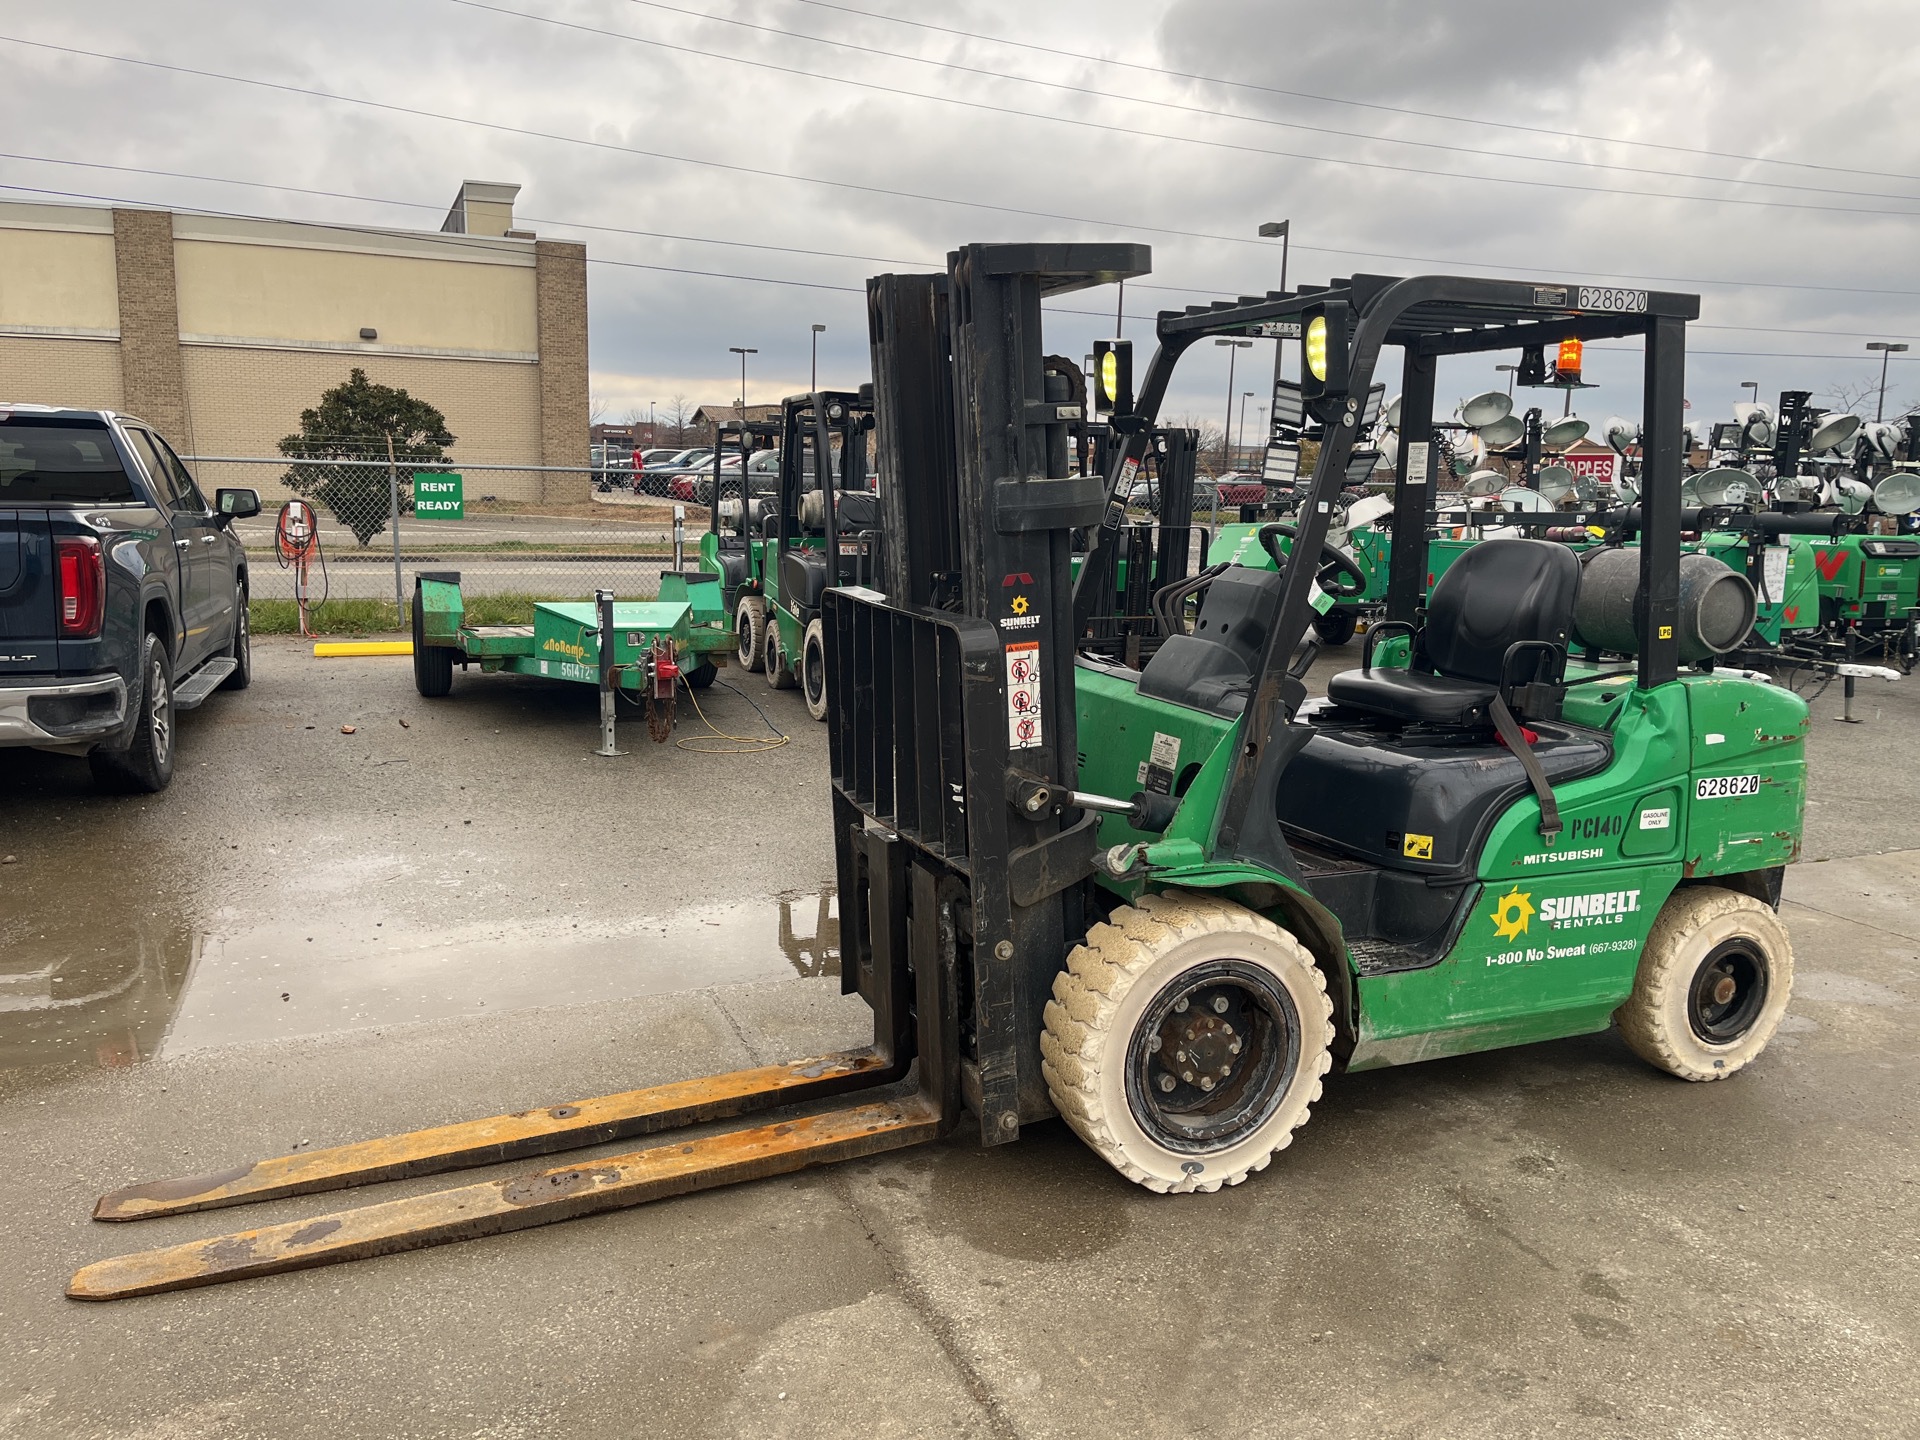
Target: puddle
x=161, y=986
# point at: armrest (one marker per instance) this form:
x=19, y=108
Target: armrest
x=1374, y=633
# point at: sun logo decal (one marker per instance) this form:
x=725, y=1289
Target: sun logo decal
x=1510, y=916
x=1018, y=605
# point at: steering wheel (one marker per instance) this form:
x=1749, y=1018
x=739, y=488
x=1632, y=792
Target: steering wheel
x=1338, y=576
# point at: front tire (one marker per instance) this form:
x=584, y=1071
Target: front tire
x=241, y=646
x=1186, y=1041
x=813, y=668
x=1336, y=627
x=779, y=672
x=1713, y=984
x=750, y=631
x=146, y=765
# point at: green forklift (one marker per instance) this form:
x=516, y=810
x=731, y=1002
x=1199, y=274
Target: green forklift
x=1166, y=903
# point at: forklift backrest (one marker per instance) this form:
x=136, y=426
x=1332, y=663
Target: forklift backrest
x=1213, y=668
x=1499, y=594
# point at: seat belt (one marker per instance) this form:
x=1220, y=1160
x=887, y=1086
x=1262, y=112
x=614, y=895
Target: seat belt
x=1508, y=730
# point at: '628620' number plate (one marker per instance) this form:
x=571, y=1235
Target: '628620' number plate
x=1725, y=787
x=1601, y=297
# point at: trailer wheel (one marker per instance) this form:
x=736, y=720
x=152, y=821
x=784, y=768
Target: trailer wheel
x=1713, y=984
x=813, y=668
x=1336, y=627
x=1185, y=1041
x=750, y=631
x=702, y=676
x=432, y=664
x=779, y=673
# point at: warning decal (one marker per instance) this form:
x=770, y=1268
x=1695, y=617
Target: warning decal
x=1023, y=696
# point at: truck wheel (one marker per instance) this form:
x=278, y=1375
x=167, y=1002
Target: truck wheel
x=146, y=765
x=779, y=672
x=1336, y=627
x=813, y=668
x=1185, y=1041
x=1713, y=983
x=432, y=664
x=241, y=646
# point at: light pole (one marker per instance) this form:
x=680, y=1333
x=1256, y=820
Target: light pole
x=1240, y=434
x=743, y=352
x=1753, y=385
x=1510, y=371
x=814, y=384
x=1886, y=348
x=1234, y=347
x=1279, y=230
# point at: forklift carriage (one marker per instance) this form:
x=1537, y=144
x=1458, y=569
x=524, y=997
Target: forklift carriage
x=1163, y=903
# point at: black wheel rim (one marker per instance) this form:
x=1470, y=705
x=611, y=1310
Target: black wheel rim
x=1728, y=993
x=1212, y=1056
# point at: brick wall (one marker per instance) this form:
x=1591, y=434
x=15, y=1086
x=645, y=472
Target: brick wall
x=153, y=382
x=560, y=272
x=245, y=398
x=40, y=370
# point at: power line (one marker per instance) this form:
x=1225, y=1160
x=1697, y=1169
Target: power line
x=918, y=264
x=481, y=242
x=1134, y=133
x=1056, y=53
x=1202, y=110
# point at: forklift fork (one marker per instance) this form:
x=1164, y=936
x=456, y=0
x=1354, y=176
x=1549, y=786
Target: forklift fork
x=912, y=1021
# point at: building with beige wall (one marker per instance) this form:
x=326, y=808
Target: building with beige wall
x=220, y=331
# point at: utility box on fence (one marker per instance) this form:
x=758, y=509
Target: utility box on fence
x=439, y=496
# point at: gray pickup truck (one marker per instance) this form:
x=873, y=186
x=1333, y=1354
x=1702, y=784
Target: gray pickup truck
x=123, y=594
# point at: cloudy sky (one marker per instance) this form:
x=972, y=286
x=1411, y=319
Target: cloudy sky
x=738, y=167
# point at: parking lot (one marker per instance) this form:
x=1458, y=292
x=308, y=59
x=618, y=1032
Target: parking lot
x=455, y=910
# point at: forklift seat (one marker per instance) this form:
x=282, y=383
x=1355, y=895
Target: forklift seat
x=1499, y=594
x=1213, y=668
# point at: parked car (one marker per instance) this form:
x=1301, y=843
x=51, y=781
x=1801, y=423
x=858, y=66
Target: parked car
x=123, y=593
x=761, y=464
x=1234, y=488
x=665, y=478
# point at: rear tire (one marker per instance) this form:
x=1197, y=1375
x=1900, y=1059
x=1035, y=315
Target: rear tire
x=813, y=668
x=1713, y=984
x=146, y=765
x=241, y=646
x=779, y=673
x=1336, y=627
x=750, y=631
x=432, y=664
x=1149, y=978
x=702, y=676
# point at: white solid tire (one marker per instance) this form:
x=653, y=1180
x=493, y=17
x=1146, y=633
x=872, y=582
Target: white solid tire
x=1105, y=991
x=813, y=668
x=1655, y=1019
x=750, y=632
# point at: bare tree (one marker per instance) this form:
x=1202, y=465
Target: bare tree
x=596, y=409
x=678, y=416
x=1211, y=444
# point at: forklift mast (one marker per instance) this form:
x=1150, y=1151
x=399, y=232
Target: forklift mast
x=952, y=732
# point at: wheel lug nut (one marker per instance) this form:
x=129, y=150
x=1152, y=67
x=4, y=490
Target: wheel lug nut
x=1225, y=1070
x=1180, y=1057
x=1234, y=1048
x=1166, y=1083
x=1206, y=1082
x=1180, y=1006
x=1219, y=1004
x=1187, y=1075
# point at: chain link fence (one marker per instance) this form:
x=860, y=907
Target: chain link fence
x=523, y=531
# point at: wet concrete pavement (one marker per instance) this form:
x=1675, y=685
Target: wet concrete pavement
x=1547, y=1240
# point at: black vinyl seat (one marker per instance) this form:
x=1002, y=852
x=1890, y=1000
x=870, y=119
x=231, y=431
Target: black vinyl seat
x=1499, y=594
x=1213, y=668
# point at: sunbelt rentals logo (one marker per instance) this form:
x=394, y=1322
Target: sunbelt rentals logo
x=1513, y=915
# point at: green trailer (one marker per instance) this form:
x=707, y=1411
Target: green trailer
x=645, y=648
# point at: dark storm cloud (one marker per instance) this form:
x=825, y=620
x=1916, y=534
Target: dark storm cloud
x=1767, y=79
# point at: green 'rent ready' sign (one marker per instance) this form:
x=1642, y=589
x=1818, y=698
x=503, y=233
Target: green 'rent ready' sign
x=439, y=496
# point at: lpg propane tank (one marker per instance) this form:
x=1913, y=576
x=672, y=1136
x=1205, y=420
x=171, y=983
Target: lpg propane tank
x=1716, y=604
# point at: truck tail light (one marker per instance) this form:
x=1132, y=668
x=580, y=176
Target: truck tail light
x=83, y=586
